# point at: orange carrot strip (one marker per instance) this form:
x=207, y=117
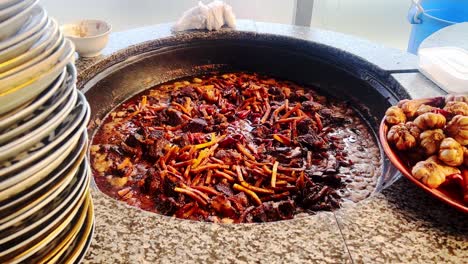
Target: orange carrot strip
x=252, y=194
x=208, y=177
x=282, y=139
x=223, y=175
x=206, y=189
x=191, y=194
x=256, y=189
x=258, y=182
x=319, y=121
x=244, y=151
x=294, y=109
x=240, y=177
x=273, y=174
x=210, y=166
x=267, y=112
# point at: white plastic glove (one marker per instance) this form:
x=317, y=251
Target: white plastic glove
x=212, y=17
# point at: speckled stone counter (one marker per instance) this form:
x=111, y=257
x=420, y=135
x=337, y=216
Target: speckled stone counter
x=401, y=224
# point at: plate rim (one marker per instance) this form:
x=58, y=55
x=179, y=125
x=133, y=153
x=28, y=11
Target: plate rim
x=73, y=199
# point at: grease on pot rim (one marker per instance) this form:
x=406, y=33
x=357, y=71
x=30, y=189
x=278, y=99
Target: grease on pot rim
x=234, y=148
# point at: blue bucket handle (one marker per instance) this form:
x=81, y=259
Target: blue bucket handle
x=415, y=12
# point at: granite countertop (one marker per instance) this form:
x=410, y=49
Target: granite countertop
x=401, y=224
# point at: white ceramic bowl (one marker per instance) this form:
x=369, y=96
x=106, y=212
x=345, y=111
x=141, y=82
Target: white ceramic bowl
x=10, y=26
x=89, y=36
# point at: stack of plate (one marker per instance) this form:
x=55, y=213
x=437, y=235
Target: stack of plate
x=46, y=212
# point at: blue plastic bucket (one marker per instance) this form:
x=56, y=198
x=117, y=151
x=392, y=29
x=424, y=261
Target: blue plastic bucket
x=431, y=15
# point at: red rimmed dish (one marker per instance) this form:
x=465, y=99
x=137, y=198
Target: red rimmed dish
x=449, y=193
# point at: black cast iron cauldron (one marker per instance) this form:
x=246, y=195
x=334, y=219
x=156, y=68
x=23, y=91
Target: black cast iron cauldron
x=335, y=72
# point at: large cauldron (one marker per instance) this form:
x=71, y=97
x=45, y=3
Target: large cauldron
x=335, y=72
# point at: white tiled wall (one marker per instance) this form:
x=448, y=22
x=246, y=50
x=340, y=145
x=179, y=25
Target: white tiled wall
x=382, y=21
x=126, y=14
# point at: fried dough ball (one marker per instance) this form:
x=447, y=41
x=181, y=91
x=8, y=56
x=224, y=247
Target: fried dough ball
x=430, y=121
x=456, y=98
x=430, y=140
x=457, y=108
x=431, y=172
x=451, y=152
x=409, y=107
x=424, y=109
x=457, y=128
x=404, y=136
x=394, y=115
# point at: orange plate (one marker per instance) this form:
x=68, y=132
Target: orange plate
x=448, y=194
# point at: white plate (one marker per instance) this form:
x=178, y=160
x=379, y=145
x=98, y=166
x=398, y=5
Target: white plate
x=12, y=118
x=34, y=253
x=24, y=51
x=24, y=76
x=23, y=183
x=14, y=9
x=75, y=181
x=19, y=95
x=8, y=3
x=30, y=59
x=10, y=53
x=16, y=182
x=27, y=141
x=13, y=24
x=33, y=24
x=40, y=115
x=25, y=252
x=27, y=195
x=72, y=126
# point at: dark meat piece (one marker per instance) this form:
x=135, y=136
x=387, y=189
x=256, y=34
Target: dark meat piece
x=261, y=131
x=133, y=151
x=230, y=141
x=279, y=210
x=312, y=141
x=257, y=215
x=166, y=205
x=187, y=91
x=223, y=206
x=276, y=93
x=329, y=178
x=330, y=116
x=196, y=125
x=153, y=182
x=311, y=106
x=182, y=140
x=230, y=93
x=305, y=126
x=299, y=96
x=239, y=201
x=224, y=188
x=156, y=150
x=132, y=141
x=229, y=157
x=271, y=211
x=154, y=134
x=174, y=117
